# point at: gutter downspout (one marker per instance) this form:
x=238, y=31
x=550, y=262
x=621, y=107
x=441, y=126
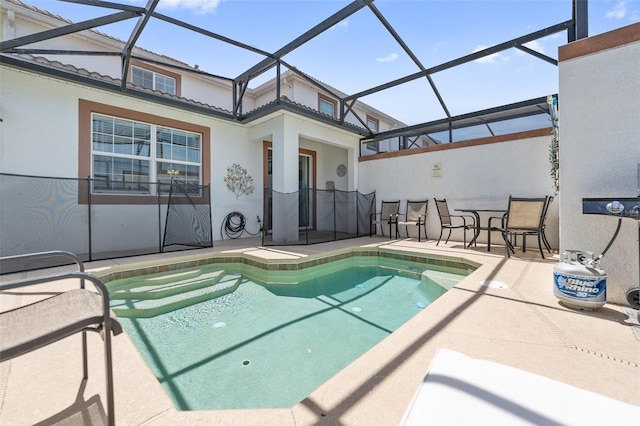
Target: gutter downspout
x=290, y=85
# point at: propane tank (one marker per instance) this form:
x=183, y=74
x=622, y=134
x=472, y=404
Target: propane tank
x=578, y=281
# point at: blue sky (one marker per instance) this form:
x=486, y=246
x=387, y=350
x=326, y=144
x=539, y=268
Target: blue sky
x=359, y=53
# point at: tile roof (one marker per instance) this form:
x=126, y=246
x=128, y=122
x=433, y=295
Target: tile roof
x=116, y=82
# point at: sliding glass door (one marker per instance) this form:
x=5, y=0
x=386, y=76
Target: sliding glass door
x=306, y=181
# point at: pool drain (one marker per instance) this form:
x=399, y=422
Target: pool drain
x=245, y=362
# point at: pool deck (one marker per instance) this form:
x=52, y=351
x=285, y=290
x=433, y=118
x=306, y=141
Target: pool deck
x=521, y=326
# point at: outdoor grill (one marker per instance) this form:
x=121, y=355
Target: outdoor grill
x=622, y=207
x=630, y=206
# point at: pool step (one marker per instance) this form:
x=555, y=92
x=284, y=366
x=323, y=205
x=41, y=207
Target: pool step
x=167, y=285
x=167, y=298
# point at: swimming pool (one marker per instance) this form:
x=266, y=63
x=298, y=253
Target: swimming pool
x=268, y=343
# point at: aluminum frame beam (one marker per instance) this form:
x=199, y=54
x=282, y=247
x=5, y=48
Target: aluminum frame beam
x=108, y=5
x=580, y=17
x=468, y=58
x=178, y=67
x=133, y=38
x=537, y=54
x=67, y=29
x=337, y=17
x=413, y=57
x=576, y=28
x=170, y=20
x=208, y=33
x=505, y=112
x=111, y=87
x=61, y=52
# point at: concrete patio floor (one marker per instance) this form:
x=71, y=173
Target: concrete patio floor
x=521, y=326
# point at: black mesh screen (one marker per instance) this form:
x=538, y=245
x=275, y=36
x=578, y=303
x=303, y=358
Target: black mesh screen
x=188, y=219
x=42, y=214
x=313, y=216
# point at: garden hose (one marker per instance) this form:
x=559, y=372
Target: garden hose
x=234, y=225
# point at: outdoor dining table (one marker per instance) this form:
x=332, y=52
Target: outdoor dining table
x=478, y=228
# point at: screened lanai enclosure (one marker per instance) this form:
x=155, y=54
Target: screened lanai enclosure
x=273, y=64
x=42, y=213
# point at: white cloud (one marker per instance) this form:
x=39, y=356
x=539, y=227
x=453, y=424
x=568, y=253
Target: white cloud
x=618, y=11
x=491, y=59
x=200, y=6
x=342, y=25
x=389, y=58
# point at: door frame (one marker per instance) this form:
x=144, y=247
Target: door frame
x=266, y=145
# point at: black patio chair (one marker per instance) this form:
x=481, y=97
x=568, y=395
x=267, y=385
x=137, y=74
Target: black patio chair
x=524, y=217
x=450, y=222
x=388, y=215
x=416, y=215
x=33, y=326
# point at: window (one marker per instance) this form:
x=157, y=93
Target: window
x=373, y=123
x=118, y=149
x=374, y=147
x=327, y=105
x=129, y=155
x=153, y=80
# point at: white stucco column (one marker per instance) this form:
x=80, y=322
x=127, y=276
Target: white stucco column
x=352, y=168
x=285, y=182
x=352, y=185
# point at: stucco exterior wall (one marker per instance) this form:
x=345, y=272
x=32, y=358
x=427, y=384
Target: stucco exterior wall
x=303, y=93
x=481, y=176
x=599, y=91
x=25, y=21
x=263, y=98
x=40, y=137
x=39, y=128
x=331, y=144
x=210, y=92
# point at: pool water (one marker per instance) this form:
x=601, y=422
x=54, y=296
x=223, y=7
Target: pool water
x=270, y=345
